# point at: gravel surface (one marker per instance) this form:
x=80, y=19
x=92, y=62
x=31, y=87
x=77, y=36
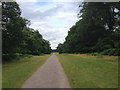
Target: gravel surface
x=49, y=75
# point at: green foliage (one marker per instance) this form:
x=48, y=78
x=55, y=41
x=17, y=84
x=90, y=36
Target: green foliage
x=12, y=26
x=59, y=48
x=17, y=37
x=97, y=30
x=114, y=51
x=33, y=43
x=10, y=57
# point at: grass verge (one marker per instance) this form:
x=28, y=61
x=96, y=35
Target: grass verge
x=86, y=71
x=16, y=72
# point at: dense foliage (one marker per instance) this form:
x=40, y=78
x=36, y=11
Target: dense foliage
x=98, y=30
x=17, y=37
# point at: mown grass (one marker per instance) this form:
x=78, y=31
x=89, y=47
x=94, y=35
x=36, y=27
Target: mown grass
x=14, y=73
x=86, y=71
x=0, y=76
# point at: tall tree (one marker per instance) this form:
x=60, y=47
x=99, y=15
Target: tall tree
x=12, y=26
x=17, y=36
x=96, y=30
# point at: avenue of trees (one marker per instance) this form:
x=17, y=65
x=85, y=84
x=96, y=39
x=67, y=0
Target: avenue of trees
x=17, y=37
x=98, y=30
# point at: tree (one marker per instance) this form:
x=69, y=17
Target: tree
x=96, y=30
x=12, y=26
x=33, y=43
x=17, y=37
x=59, y=48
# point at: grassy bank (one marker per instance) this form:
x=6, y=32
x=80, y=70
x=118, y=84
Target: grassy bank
x=87, y=71
x=16, y=72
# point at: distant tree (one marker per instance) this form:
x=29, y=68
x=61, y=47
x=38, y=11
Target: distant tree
x=33, y=43
x=59, y=48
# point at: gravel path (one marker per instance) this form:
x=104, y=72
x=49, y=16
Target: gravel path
x=49, y=75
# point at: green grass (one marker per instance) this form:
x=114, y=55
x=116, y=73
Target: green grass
x=0, y=76
x=86, y=71
x=16, y=72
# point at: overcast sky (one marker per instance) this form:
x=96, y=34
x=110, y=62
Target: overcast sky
x=52, y=19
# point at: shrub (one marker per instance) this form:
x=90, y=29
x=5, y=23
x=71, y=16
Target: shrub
x=113, y=51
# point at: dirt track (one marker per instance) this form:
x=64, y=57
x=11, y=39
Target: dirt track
x=49, y=75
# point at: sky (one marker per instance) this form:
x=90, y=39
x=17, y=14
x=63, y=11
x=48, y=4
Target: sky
x=52, y=19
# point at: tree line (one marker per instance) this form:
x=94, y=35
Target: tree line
x=97, y=31
x=17, y=37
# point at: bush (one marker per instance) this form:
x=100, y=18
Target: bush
x=114, y=51
x=9, y=57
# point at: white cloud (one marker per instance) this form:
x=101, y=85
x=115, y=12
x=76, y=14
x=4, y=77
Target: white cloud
x=52, y=19
x=51, y=0
x=27, y=1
